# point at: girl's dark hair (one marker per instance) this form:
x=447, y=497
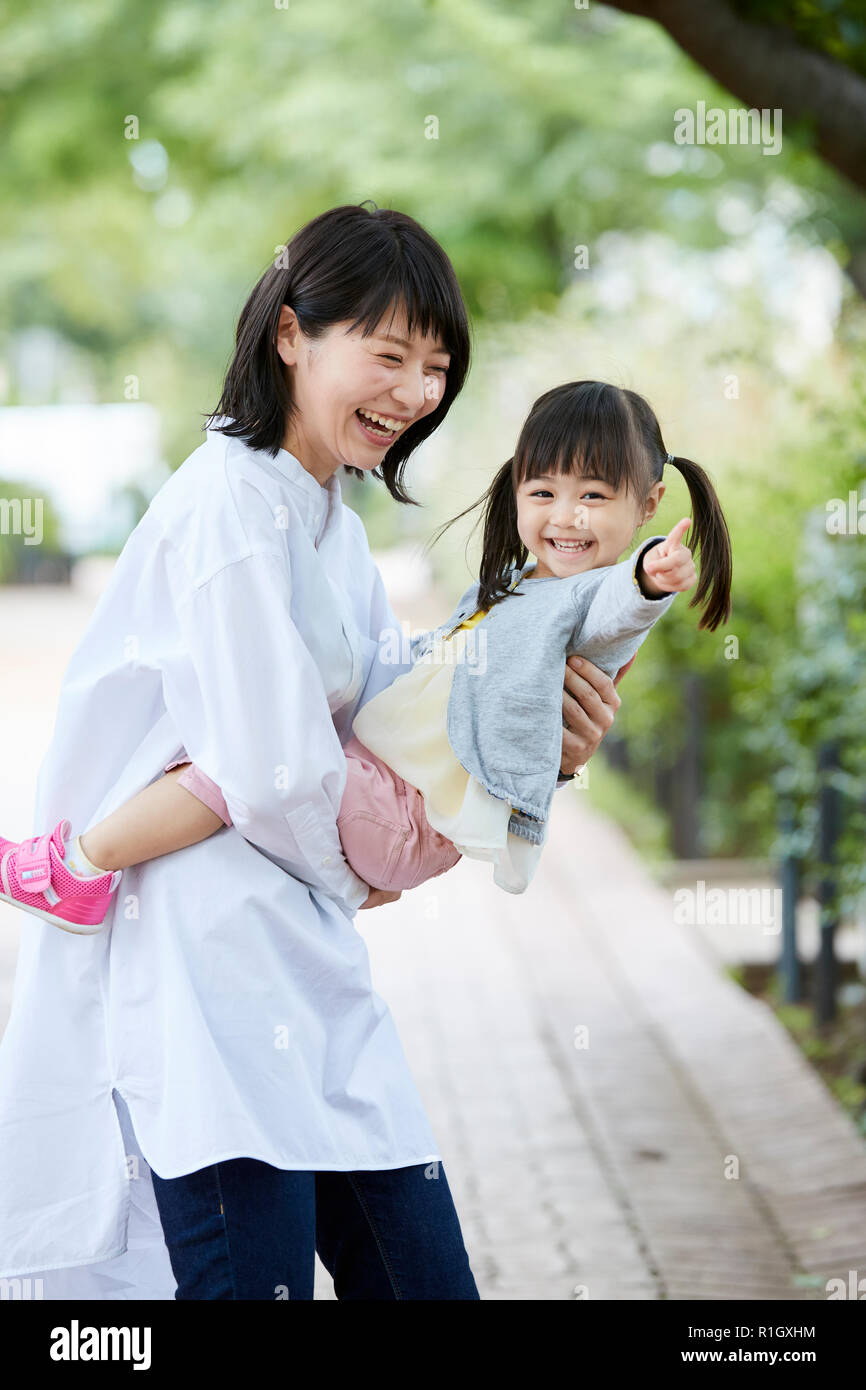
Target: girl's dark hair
x=349, y=264
x=612, y=434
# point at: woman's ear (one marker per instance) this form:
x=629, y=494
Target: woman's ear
x=288, y=336
x=651, y=506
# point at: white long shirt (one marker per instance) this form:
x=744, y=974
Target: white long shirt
x=228, y=1001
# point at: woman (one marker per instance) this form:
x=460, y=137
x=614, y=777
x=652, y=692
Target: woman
x=195, y=1100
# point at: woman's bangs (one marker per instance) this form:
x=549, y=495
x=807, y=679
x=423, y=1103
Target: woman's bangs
x=429, y=306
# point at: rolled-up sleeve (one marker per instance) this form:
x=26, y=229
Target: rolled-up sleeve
x=250, y=707
x=618, y=617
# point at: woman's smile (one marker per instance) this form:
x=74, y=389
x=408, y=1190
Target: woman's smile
x=379, y=429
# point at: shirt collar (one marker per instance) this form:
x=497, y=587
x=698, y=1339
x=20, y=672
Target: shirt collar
x=317, y=503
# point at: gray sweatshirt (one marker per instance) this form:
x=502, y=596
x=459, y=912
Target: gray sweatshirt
x=505, y=708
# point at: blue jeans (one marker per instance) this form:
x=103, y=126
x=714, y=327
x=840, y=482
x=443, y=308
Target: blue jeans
x=242, y=1229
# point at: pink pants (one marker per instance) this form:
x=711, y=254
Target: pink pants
x=384, y=830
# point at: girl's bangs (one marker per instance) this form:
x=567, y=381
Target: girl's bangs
x=584, y=431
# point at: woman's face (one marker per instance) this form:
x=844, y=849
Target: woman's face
x=342, y=381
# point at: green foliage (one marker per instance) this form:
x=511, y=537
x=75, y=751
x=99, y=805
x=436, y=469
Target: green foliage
x=140, y=251
x=819, y=684
x=615, y=795
x=797, y=677
x=830, y=26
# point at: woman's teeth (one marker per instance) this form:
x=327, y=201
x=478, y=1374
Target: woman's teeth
x=381, y=425
x=570, y=547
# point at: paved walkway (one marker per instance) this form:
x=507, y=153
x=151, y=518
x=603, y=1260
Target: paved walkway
x=618, y=1120
x=683, y=1149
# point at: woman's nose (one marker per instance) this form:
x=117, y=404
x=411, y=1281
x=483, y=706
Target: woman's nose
x=409, y=390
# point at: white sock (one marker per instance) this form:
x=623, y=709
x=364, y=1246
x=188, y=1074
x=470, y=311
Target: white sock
x=78, y=863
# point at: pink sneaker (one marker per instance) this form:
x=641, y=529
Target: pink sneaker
x=34, y=877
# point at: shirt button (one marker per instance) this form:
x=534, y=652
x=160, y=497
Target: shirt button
x=327, y=859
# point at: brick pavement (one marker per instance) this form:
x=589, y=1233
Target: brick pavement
x=687, y=1152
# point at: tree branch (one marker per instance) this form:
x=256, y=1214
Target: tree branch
x=767, y=68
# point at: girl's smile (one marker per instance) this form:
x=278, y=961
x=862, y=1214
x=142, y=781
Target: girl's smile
x=568, y=547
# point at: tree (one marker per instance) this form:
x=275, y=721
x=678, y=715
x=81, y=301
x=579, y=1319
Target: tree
x=807, y=60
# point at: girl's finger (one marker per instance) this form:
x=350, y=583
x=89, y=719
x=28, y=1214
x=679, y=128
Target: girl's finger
x=674, y=537
x=665, y=562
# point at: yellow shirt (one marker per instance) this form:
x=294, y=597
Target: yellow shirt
x=476, y=618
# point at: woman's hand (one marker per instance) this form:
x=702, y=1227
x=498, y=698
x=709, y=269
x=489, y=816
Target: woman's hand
x=379, y=896
x=589, y=703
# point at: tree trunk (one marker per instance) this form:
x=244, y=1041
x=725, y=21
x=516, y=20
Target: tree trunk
x=765, y=67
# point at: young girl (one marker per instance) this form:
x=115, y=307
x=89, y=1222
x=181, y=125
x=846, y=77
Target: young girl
x=460, y=754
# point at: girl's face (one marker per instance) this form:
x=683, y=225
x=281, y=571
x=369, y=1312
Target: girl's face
x=597, y=520
x=342, y=382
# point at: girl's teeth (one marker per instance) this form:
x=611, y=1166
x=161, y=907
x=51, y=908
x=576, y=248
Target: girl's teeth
x=572, y=548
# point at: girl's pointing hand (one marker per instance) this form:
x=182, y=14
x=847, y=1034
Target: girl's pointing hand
x=668, y=568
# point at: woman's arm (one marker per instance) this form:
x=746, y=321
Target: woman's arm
x=248, y=704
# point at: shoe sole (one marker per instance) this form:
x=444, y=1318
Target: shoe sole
x=55, y=921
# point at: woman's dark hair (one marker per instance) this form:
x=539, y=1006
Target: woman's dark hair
x=354, y=264
x=612, y=434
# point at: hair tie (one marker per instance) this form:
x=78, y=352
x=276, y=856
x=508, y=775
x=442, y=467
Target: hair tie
x=669, y=459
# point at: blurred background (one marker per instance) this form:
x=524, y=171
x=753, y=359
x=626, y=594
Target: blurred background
x=155, y=157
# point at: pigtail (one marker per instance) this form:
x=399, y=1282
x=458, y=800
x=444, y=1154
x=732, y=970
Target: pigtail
x=708, y=534
x=502, y=546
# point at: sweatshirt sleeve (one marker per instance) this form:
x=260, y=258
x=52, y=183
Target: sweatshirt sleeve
x=617, y=614
x=614, y=618
x=251, y=711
